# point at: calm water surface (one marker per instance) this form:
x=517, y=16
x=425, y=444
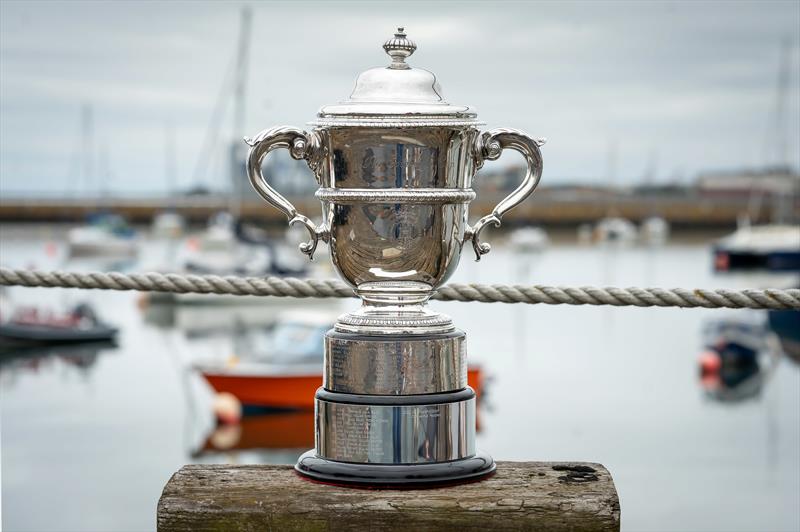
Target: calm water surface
x=89, y=437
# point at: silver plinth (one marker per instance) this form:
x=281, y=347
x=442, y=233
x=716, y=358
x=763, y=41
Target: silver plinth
x=395, y=164
x=421, y=429
x=395, y=365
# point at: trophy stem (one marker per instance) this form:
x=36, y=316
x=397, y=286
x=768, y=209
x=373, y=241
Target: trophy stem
x=395, y=294
x=394, y=308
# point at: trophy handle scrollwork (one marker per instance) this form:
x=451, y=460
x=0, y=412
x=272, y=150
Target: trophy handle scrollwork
x=488, y=146
x=301, y=145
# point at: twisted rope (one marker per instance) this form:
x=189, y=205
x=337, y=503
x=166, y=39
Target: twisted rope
x=290, y=287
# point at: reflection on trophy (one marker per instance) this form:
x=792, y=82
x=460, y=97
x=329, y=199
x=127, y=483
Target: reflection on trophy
x=395, y=164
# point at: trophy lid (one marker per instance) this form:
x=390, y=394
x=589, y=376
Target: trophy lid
x=396, y=95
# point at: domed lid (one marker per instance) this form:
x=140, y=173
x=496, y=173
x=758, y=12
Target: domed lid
x=396, y=96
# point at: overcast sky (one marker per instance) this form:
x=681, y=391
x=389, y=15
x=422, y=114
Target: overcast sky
x=679, y=87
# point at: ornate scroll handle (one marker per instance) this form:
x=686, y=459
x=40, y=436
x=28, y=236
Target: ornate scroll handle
x=488, y=146
x=301, y=145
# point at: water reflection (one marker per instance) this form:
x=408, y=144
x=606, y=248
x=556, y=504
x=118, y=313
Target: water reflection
x=40, y=358
x=786, y=326
x=285, y=430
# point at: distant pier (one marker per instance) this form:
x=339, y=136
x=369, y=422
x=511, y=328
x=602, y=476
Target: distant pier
x=549, y=207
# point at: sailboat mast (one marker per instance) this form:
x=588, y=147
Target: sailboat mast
x=240, y=88
x=776, y=145
x=781, y=95
x=611, y=179
x=650, y=181
x=170, y=164
x=87, y=129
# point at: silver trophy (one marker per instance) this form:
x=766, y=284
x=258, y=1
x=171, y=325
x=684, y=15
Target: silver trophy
x=395, y=164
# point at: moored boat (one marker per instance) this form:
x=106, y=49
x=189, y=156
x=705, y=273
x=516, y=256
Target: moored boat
x=104, y=235
x=529, y=239
x=282, y=366
x=761, y=247
x=168, y=224
x=738, y=358
x=271, y=386
x=30, y=327
x=615, y=229
x=230, y=247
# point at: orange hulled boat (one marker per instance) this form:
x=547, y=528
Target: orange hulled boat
x=281, y=366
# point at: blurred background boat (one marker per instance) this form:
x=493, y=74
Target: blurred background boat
x=105, y=234
x=529, y=239
x=281, y=366
x=742, y=351
x=759, y=247
x=168, y=224
x=32, y=326
x=737, y=360
x=219, y=234
x=615, y=229
x=229, y=247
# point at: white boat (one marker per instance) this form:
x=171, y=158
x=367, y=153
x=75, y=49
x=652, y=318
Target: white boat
x=245, y=259
x=85, y=241
x=654, y=230
x=219, y=251
x=614, y=229
x=168, y=225
x=228, y=248
x=529, y=239
x=220, y=235
x=105, y=235
x=768, y=247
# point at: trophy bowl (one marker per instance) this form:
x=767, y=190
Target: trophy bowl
x=395, y=203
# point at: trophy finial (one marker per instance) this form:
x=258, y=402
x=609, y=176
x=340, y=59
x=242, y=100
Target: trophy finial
x=398, y=48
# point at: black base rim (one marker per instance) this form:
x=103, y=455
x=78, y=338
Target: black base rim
x=390, y=476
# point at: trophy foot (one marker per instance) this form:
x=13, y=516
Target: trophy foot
x=394, y=308
x=395, y=440
x=395, y=476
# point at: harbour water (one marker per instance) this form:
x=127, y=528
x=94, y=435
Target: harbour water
x=89, y=437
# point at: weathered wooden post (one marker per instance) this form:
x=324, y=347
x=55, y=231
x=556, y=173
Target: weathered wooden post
x=519, y=496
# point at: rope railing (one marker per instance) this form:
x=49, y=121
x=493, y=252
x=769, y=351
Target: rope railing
x=770, y=298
